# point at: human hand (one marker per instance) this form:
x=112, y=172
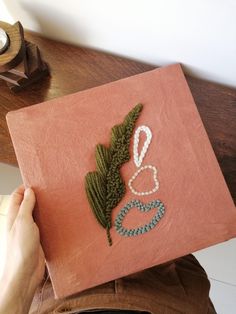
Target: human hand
x=25, y=262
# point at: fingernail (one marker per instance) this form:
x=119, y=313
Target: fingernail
x=27, y=191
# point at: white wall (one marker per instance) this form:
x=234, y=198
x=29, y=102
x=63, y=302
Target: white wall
x=10, y=178
x=200, y=34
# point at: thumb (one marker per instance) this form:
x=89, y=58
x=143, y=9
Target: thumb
x=27, y=205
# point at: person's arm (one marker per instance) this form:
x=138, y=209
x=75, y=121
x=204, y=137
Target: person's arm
x=25, y=263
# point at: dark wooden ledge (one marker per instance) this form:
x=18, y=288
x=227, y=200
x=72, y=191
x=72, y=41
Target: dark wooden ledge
x=75, y=68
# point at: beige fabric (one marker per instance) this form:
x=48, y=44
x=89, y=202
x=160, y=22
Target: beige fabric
x=180, y=286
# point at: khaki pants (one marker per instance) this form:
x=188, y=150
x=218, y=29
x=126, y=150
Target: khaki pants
x=179, y=286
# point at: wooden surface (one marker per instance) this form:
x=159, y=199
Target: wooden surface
x=74, y=69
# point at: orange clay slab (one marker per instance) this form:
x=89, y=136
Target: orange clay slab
x=55, y=144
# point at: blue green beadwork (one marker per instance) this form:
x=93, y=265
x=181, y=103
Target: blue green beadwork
x=143, y=208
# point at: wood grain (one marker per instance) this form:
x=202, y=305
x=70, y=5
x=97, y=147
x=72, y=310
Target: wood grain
x=75, y=68
x=16, y=50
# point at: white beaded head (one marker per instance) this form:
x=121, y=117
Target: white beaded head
x=138, y=159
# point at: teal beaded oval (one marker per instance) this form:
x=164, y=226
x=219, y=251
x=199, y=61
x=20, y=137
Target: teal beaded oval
x=143, y=208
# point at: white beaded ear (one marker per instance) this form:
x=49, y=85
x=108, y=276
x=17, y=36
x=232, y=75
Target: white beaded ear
x=138, y=159
x=156, y=182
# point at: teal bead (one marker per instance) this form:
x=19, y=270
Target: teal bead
x=143, y=208
x=152, y=225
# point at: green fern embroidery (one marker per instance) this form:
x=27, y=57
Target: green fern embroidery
x=105, y=187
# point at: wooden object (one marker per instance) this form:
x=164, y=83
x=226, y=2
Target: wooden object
x=21, y=63
x=76, y=68
x=16, y=49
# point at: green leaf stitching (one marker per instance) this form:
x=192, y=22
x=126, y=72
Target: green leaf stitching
x=105, y=187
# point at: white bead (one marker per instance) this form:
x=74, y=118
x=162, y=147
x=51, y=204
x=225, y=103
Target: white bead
x=138, y=159
x=154, y=179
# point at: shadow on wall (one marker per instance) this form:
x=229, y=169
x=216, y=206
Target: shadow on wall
x=46, y=20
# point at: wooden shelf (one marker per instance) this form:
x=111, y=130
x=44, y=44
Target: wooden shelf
x=74, y=69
